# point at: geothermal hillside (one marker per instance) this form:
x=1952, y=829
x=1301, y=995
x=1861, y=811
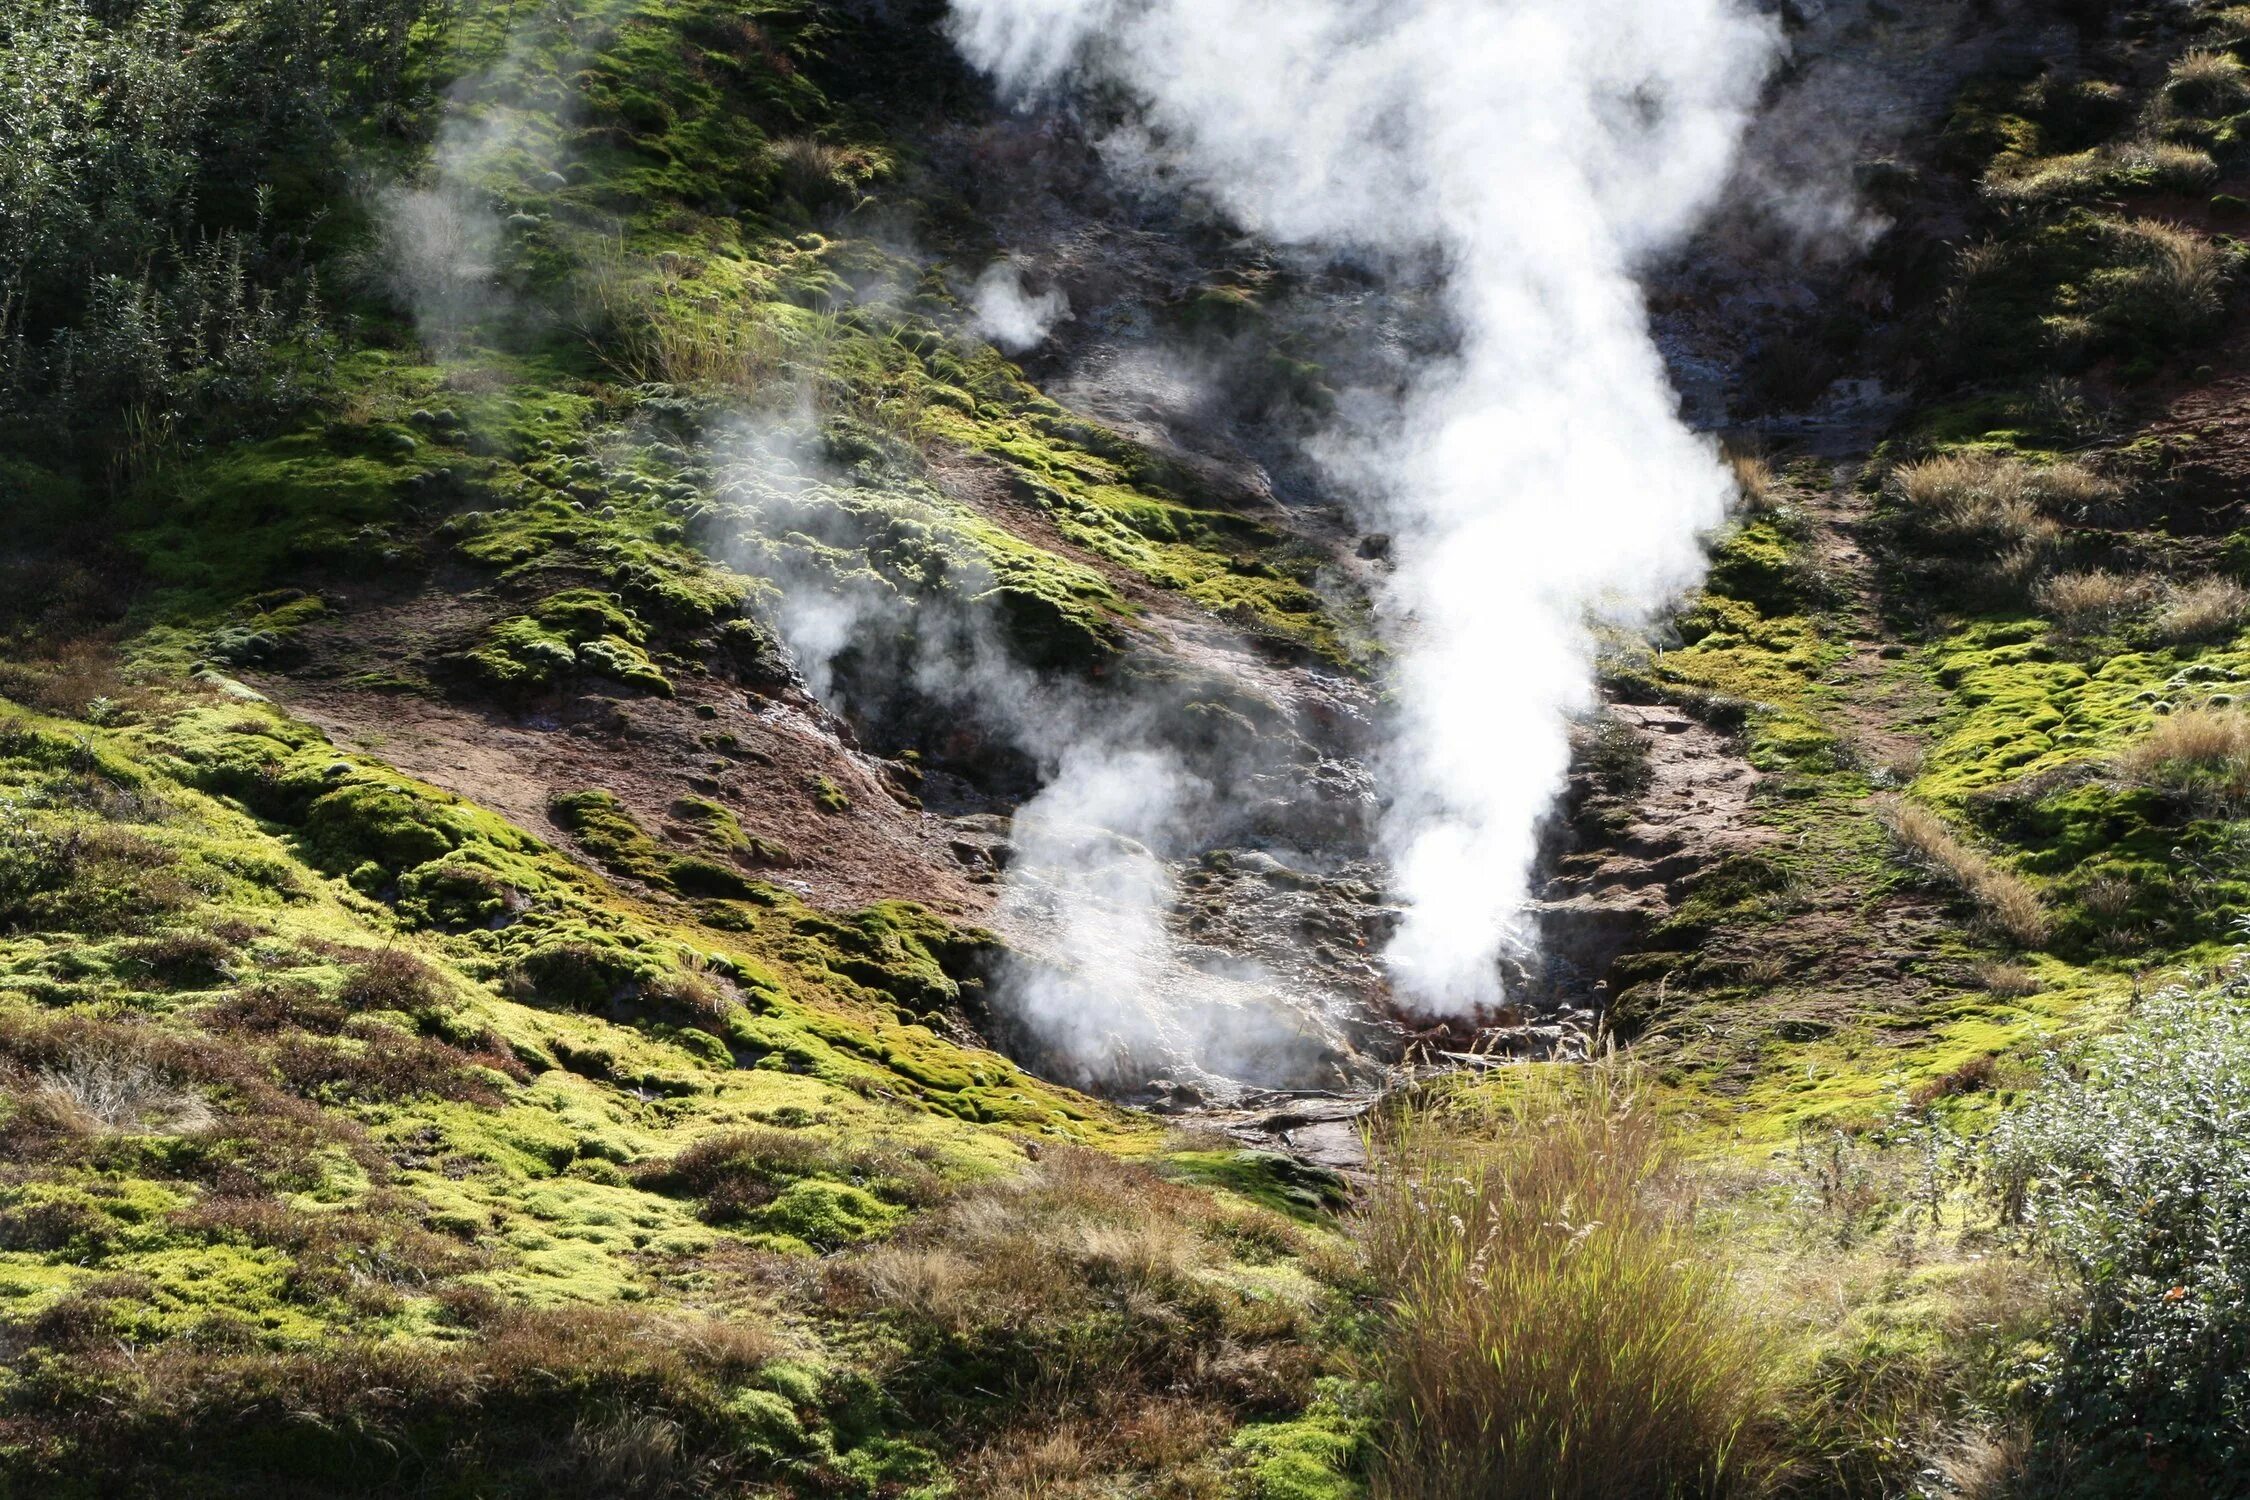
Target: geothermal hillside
x=1125, y=749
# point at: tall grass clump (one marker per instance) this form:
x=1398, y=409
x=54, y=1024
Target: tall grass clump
x=652, y=321
x=2004, y=900
x=2130, y=1168
x=1551, y=1328
x=2201, y=753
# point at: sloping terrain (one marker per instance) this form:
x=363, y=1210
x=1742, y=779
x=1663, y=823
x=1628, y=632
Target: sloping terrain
x=540, y=620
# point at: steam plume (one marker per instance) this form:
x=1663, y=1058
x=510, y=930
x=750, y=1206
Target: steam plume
x=1010, y=315
x=1542, y=151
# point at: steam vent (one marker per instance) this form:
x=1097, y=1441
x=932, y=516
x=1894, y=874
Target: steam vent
x=1124, y=749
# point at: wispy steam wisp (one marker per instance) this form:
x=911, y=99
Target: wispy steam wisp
x=1011, y=315
x=1542, y=150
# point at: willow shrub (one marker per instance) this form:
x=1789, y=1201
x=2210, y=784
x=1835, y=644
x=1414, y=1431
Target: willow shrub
x=1552, y=1328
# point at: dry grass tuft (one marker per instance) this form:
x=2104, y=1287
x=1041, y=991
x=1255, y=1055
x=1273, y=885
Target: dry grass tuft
x=695, y=988
x=105, y=1092
x=2201, y=753
x=2091, y=602
x=1554, y=1331
x=2164, y=165
x=818, y=173
x=2207, y=83
x=1753, y=476
x=2207, y=609
x=1996, y=498
x=2006, y=981
x=2181, y=273
x=2004, y=900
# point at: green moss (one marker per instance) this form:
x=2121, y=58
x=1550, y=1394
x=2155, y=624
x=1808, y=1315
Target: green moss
x=826, y=1215
x=1318, y=1456
x=1267, y=1178
x=577, y=630
x=604, y=829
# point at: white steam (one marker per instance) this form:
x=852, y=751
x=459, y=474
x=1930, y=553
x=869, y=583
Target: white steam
x=1095, y=977
x=444, y=237
x=1539, y=479
x=1010, y=315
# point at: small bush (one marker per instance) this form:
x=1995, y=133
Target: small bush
x=394, y=979
x=2207, y=609
x=1551, y=1328
x=2199, y=753
x=34, y=859
x=2002, y=898
x=737, y=1173
x=183, y=960
x=2091, y=602
x=2130, y=1167
x=588, y=1402
x=579, y=974
x=381, y=1064
x=268, y=1006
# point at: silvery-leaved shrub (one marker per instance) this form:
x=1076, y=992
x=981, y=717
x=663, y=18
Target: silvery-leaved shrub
x=2131, y=1167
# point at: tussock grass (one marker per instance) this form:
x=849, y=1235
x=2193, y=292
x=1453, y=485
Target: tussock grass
x=96, y=1091
x=1753, y=476
x=2200, y=753
x=1997, y=498
x=2177, y=278
x=2006, y=981
x=2163, y=166
x=1552, y=1329
x=651, y=322
x=2206, y=83
x=820, y=174
x=2091, y=602
x=2004, y=900
x=2204, y=610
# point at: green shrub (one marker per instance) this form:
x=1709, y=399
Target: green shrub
x=151, y=286
x=2131, y=1167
